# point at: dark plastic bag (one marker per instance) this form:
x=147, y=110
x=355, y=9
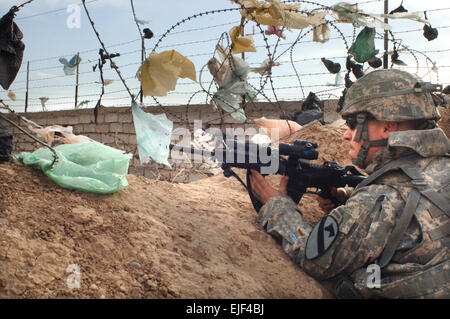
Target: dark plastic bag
x=312, y=109
x=11, y=49
x=6, y=144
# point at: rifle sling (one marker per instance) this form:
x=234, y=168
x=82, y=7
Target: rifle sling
x=400, y=227
x=411, y=204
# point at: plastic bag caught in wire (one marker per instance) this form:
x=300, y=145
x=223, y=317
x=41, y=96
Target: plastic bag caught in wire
x=12, y=95
x=321, y=33
x=265, y=67
x=141, y=22
x=414, y=16
x=276, y=13
x=70, y=66
x=241, y=43
x=153, y=134
x=229, y=95
x=275, y=30
x=44, y=100
x=222, y=72
x=11, y=49
x=349, y=13
x=160, y=72
x=363, y=49
x=231, y=76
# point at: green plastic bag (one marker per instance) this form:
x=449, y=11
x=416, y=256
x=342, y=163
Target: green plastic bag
x=227, y=95
x=89, y=167
x=363, y=48
x=153, y=133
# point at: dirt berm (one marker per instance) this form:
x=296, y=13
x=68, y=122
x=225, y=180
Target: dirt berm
x=153, y=240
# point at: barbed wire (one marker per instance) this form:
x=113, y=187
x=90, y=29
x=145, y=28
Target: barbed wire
x=138, y=63
x=273, y=94
x=309, y=74
x=48, y=12
x=273, y=87
x=189, y=30
x=64, y=99
x=64, y=9
x=59, y=65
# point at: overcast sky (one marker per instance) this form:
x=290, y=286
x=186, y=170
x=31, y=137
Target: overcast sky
x=48, y=37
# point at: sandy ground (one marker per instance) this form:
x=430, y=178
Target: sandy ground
x=153, y=240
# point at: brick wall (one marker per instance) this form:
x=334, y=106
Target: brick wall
x=115, y=128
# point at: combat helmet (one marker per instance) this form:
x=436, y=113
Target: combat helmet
x=388, y=95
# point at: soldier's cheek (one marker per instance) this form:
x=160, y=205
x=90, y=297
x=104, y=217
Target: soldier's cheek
x=354, y=149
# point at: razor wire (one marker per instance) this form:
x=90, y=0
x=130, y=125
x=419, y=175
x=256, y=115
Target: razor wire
x=274, y=98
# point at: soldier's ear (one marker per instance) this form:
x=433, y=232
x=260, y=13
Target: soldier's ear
x=388, y=128
x=391, y=127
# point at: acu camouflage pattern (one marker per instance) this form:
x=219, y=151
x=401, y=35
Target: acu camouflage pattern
x=281, y=217
x=420, y=143
x=420, y=266
x=361, y=97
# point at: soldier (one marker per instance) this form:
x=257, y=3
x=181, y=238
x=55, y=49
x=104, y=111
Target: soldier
x=390, y=239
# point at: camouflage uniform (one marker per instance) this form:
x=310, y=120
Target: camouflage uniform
x=397, y=219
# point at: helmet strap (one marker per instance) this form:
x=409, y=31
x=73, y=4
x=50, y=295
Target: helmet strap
x=362, y=132
x=361, y=126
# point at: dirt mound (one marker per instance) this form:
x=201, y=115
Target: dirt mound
x=153, y=240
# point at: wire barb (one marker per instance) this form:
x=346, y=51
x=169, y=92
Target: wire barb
x=7, y=107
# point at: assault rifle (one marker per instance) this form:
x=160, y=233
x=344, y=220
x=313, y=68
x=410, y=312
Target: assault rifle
x=291, y=160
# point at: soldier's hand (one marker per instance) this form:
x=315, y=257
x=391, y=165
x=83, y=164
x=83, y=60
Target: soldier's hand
x=327, y=205
x=262, y=190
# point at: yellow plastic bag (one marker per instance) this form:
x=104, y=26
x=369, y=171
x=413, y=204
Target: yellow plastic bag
x=241, y=43
x=160, y=72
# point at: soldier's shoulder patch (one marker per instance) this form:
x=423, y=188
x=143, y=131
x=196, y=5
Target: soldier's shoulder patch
x=321, y=237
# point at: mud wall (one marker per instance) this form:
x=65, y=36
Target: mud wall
x=115, y=128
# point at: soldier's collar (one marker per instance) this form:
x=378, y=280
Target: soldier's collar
x=426, y=143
